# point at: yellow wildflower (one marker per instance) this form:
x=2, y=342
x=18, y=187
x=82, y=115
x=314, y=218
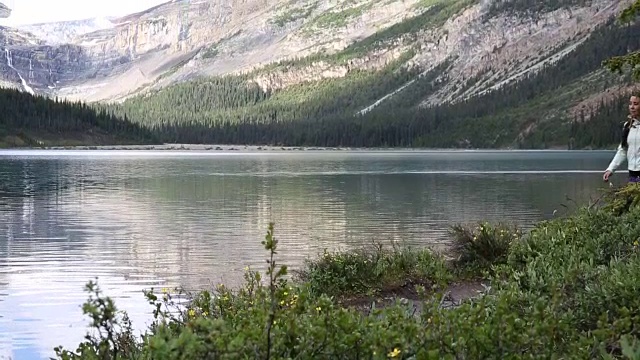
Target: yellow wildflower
x=318, y=308
x=246, y=268
x=285, y=293
x=394, y=353
x=282, y=302
x=165, y=290
x=205, y=313
x=192, y=313
x=429, y=320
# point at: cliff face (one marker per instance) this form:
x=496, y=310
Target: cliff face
x=110, y=59
x=500, y=49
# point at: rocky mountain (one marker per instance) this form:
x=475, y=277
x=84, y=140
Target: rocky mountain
x=65, y=32
x=5, y=12
x=352, y=57
x=492, y=41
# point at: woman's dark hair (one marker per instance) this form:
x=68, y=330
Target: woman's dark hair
x=625, y=133
x=627, y=126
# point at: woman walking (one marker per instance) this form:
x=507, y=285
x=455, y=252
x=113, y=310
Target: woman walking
x=629, y=148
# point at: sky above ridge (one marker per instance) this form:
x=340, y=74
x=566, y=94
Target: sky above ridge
x=38, y=11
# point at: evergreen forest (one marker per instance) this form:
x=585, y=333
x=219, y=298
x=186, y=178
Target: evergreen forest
x=536, y=111
x=28, y=120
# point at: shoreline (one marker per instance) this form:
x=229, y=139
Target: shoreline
x=275, y=149
x=502, y=292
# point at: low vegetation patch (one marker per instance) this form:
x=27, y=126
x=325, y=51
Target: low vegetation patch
x=340, y=18
x=294, y=14
x=622, y=200
x=479, y=248
x=567, y=289
x=377, y=271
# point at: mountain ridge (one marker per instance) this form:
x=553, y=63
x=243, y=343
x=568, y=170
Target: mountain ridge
x=172, y=42
x=465, y=49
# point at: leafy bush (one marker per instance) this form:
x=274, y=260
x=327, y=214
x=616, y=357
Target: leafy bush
x=484, y=245
x=366, y=272
x=568, y=289
x=621, y=200
x=591, y=262
x=114, y=337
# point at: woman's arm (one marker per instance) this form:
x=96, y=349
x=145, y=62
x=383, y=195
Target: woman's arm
x=618, y=159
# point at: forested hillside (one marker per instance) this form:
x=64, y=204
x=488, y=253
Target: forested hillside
x=530, y=7
x=365, y=73
x=28, y=120
x=532, y=112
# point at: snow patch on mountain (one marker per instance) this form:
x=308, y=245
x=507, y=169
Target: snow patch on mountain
x=65, y=32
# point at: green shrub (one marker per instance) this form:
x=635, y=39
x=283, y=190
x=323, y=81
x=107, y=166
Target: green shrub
x=380, y=270
x=567, y=290
x=113, y=336
x=590, y=260
x=621, y=200
x=484, y=245
x=630, y=347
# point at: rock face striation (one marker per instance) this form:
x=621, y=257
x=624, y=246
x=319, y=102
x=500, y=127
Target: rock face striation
x=112, y=59
x=5, y=11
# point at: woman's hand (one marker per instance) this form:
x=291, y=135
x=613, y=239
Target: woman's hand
x=606, y=176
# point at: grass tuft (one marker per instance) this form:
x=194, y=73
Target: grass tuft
x=373, y=271
x=484, y=245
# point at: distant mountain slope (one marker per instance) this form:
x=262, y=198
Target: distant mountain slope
x=5, y=11
x=535, y=110
x=356, y=72
x=491, y=41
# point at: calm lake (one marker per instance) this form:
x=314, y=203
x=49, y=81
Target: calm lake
x=142, y=219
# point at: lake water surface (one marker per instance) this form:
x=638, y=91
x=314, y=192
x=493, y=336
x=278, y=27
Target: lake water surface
x=142, y=219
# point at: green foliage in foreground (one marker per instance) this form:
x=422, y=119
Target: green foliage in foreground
x=483, y=246
x=372, y=272
x=630, y=60
x=567, y=289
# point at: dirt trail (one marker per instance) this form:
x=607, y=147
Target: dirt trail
x=455, y=294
